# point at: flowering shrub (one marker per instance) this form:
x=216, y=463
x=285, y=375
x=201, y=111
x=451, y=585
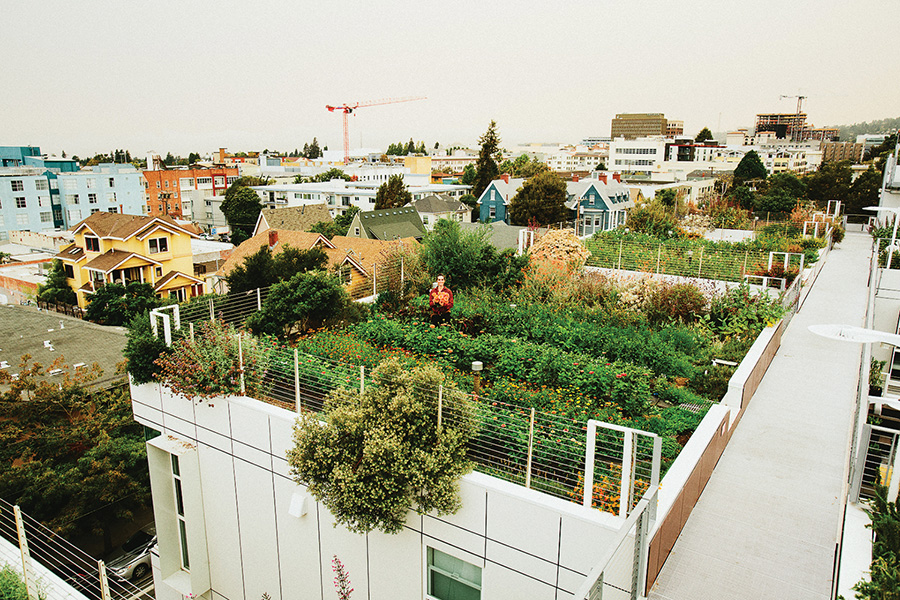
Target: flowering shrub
x=681, y=302
x=209, y=365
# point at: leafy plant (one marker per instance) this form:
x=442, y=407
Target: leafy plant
x=680, y=302
x=56, y=288
x=341, y=579
x=117, y=304
x=142, y=349
x=381, y=452
x=210, y=364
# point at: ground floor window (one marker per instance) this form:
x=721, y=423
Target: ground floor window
x=450, y=578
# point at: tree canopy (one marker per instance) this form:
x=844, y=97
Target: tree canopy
x=865, y=191
x=486, y=169
x=541, y=199
x=523, y=167
x=704, y=135
x=332, y=173
x=312, y=150
x=305, y=301
x=56, y=288
x=241, y=208
x=468, y=259
x=751, y=167
x=262, y=269
x=339, y=226
x=393, y=193
x=381, y=453
x=117, y=304
x=71, y=455
x=830, y=182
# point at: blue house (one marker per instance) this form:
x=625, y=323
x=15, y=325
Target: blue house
x=598, y=204
x=495, y=199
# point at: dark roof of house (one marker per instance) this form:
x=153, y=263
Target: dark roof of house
x=392, y=223
x=295, y=218
x=111, y=259
x=500, y=234
x=435, y=204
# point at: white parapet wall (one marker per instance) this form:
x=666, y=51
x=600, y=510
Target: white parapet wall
x=264, y=534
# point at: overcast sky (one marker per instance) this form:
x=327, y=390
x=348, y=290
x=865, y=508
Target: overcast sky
x=88, y=77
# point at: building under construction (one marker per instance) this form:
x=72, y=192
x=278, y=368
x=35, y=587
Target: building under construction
x=783, y=125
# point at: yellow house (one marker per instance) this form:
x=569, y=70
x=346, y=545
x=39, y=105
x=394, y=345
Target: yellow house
x=112, y=247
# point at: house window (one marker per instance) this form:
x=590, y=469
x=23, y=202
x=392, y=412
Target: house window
x=70, y=184
x=17, y=185
x=157, y=185
x=159, y=245
x=71, y=198
x=186, y=182
x=90, y=183
x=91, y=244
x=345, y=275
x=95, y=210
x=20, y=203
x=110, y=196
x=493, y=212
x=22, y=219
x=41, y=184
x=43, y=201
x=92, y=198
x=204, y=180
x=112, y=209
x=356, y=231
x=220, y=181
x=70, y=271
x=112, y=182
x=159, y=271
x=424, y=219
x=450, y=578
x=74, y=215
x=46, y=217
x=179, y=510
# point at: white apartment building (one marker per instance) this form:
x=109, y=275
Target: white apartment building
x=340, y=195
x=638, y=156
x=579, y=158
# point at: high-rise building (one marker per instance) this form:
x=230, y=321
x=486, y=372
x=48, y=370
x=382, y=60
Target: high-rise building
x=674, y=128
x=635, y=125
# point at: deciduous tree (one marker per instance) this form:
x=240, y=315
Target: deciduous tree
x=541, y=199
x=305, y=301
x=117, y=304
x=241, y=208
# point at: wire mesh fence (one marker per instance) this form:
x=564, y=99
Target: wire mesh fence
x=701, y=261
x=59, y=561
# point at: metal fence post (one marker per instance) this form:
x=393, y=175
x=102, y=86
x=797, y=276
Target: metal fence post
x=212, y=310
x=530, y=449
x=588, y=499
x=621, y=243
x=297, y=382
x=639, y=564
x=191, y=327
x=744, y=268
x=27, y=575
x=700, y=267
x=362, y=379
x=440, y=406
x=402, y=276
x=374, y=278
x=658, y=257
x=625, y=482
x=258, y=299
x=241, y=363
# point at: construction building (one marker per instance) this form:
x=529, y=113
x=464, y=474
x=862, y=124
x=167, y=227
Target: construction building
x=783, y=125
x=838, y=151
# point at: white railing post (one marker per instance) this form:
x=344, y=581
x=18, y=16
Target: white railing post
x=700, y=266
x=297, y=400
x=104, y=581
x=191, y=327
x=362, y=379
x=258, y=299
x=658, y=258
x=625, y=482
x=27, y=574
x=530, y=449
x=621, y=243
x=402, y=277
x=374, y=278
x=241, y=363
x=589, y=464
x=212, y=310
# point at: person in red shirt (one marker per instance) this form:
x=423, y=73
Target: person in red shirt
x=440, y=298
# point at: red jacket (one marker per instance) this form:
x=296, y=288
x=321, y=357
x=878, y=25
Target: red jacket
x=440, y=301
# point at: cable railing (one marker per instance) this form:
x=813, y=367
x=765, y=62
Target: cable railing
x=77, y=569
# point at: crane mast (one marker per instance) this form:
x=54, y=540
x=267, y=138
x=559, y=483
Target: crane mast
x=348, y=108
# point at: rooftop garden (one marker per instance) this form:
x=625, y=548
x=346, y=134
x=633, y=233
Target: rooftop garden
x=559, y=346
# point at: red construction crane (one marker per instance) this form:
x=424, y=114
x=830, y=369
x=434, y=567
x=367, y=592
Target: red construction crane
x=347, y=109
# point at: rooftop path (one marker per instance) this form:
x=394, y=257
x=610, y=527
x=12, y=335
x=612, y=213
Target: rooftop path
x=767, y=523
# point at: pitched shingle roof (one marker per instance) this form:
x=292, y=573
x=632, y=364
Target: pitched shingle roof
x=296, y=239
x=295, y=218
x=366, y=252
x=392, y=223
x=111, y=259
x=437, y=204
x=119, y=226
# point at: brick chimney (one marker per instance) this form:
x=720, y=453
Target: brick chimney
x=273, y=238
x=617, y=176
x=505, y=177
x=602, y=177
x=575, y=178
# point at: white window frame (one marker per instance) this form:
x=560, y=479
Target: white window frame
x=456, y=577
x=178, y=491
x=17, y=185
x=41, y=185
x=22, y=219
x=91, y=237
x=21, y=202
x=155, y=247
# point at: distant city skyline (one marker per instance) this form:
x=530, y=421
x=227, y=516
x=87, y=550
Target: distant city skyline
x=91, y=77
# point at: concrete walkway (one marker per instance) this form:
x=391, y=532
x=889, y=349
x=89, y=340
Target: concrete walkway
x=767, y=524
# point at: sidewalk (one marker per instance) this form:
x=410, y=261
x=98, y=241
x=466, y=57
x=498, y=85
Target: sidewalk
x=767, y=524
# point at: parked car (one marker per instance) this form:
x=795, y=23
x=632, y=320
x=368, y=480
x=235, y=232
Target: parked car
x=132, y=560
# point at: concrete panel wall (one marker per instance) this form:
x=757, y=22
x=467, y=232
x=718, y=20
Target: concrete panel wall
x=526, y=543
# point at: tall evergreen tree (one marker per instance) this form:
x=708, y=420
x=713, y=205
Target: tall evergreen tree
x=392, y=193
x=486, y=169
x=704, y=135
x=56, y=288
x=751, y=167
